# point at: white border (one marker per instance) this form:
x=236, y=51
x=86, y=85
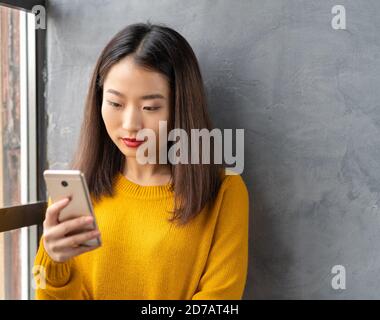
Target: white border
x=32, y=144
x=28, y=144
x=24, y=150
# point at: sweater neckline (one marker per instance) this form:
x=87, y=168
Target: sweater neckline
x=138, y=191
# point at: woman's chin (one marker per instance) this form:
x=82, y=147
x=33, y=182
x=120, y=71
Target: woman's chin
x=129, y=153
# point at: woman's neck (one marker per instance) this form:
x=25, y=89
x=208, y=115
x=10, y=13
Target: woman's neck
x=146, y=174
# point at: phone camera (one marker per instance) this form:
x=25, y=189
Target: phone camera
x=64, y=183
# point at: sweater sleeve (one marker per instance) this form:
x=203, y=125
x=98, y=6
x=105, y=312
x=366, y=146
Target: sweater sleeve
x=225, y=272
x=56, y=280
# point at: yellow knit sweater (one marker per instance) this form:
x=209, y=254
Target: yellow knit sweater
x=143, y=256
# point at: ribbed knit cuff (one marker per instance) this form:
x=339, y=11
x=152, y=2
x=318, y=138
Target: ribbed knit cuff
x=56, y=274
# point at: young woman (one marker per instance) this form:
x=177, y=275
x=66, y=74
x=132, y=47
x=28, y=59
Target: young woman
x=168, y=231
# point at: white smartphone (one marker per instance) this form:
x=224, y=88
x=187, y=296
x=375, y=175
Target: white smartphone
x=72, y=183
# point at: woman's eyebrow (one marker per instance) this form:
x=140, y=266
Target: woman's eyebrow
x=146, y=97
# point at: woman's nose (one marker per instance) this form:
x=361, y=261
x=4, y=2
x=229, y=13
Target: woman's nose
x=132, y=119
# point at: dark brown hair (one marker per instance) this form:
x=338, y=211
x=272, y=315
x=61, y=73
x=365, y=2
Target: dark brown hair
x=161, y=49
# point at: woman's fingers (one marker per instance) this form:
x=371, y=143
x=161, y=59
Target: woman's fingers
x=73, y=242
x=52, y=212
x=69, y=253
x=66, y=227
x=82, y=249
x=62, y=240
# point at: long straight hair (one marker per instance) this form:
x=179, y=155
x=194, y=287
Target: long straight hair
x=160, y=49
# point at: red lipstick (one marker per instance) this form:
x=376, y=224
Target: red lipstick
x=132, y=142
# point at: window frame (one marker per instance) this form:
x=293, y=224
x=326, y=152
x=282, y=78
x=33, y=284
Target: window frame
x=33, y=191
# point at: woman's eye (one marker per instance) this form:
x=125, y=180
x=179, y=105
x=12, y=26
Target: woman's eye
x=151, y=108
x=114, y=104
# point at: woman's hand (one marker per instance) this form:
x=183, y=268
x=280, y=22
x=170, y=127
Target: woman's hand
x=59, y=246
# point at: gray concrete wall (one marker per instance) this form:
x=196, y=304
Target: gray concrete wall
x=308, y=98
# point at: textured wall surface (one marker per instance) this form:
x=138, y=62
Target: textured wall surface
x=308, y=98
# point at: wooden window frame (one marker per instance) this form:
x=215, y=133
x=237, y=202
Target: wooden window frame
x=32, y=213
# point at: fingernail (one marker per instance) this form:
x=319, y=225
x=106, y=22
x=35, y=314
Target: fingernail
x=89, y=219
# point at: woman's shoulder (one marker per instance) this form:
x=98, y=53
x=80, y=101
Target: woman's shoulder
x=233, y=198
x=233, y=183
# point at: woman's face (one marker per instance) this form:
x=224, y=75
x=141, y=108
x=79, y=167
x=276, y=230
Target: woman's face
x=127, y=107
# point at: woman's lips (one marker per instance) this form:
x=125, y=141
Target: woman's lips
x=132, y=143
